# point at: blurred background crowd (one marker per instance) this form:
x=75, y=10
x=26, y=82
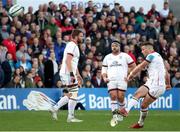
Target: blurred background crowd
x=32, y=44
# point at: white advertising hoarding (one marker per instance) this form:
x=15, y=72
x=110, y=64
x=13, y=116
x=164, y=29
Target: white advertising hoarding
x=146, y=4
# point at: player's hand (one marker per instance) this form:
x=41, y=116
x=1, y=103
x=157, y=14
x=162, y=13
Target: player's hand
x=125, y=79
x=72, y=77
x=106, y=80
x=168, y=87
x=130, y=77
x=80, y=80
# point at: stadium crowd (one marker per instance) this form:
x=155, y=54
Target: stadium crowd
x=32, y=44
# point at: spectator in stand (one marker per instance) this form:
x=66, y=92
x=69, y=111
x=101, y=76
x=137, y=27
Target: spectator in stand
x=8, y=5
x=24, y=63
x=66, y=27
x=140, y=17
x=8, y=67
x=3, y=52
x=14, y=83
x=22, y=52
x=154, y=12
x=97, y=80
x=127, y=50
x=29, y=81
x=59, y=47
x=151, y=32
x=176, y=79
x=173, y=51
x=41, y=21
x=88, y=83
x=143, y=30
x=1, y=76
x=115, y=11
x=165, y=11
x=10, y=45
x=89, y=7
x=52, y=26
x=4, y=32
x=36, y=47
x=40, y=84
x=50, y=68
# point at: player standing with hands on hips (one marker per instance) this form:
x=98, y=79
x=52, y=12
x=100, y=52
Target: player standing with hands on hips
x=157, y=83
x=70, y=76
x=114, y=71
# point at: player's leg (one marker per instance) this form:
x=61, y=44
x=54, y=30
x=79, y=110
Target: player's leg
x=113, y=97
x=144, y=111
x=114, y=106
x=113, y=93
x=64, y=99
x=121, y=96
x=72, y=104
x=141, y=92
x=151, y=96
x=121, y=102
x=112, y=90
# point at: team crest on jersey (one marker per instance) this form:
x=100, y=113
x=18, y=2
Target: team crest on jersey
x=115, y=63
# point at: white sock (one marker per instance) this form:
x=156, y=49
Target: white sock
x=64, y=100
x=142, y=117
x=133, y=102
x=121, y=105
x=114, y=105
x=71, y=106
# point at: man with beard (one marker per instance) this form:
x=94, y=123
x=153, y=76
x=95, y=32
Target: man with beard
x=70, y=77
x=157, y=83
x=114, y=71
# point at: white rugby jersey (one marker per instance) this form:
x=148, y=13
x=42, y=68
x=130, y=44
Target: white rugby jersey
x=71, y=48
x=116, y=66
x=156, y=69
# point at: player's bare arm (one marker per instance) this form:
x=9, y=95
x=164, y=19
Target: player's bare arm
x=167, y=75
x=168, y=83
x=131, y=67
x=79, y=78
x=105, y=77
x=138, y=68
x=69, y=66
x=104, y=74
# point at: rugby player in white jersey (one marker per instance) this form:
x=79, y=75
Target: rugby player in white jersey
x=158, y=81
x=114, y=71
x=70, y=76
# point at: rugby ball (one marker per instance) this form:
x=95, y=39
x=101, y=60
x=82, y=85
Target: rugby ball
x=16, y=10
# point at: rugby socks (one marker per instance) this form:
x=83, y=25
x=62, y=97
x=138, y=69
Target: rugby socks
x=64, y=100
x=71, y=106
x=114, y=105
x=133, y=102
x=121, y=105
x=143, y=114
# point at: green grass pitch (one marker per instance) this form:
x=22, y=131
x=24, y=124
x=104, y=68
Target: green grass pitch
x=93, y=121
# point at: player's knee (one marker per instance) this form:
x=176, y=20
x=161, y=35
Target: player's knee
x=137, y=95
x=74, y=95
x=113, y=97
x=143, y=106
x=121, y=99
